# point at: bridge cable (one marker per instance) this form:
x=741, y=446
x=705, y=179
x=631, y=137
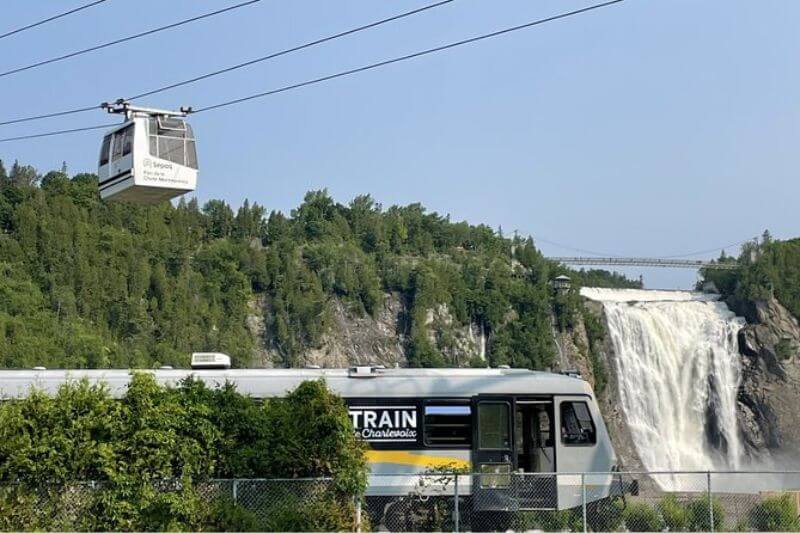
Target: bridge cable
x=701, y=252
x=225, y=70
x=126, y=39
x=367, y=67
x=565, y=247
x=50, y=19
x=404, y=58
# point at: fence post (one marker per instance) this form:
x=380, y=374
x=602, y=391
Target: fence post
x=358, y=514
x=583, y=502
x=235, y=491
x=456, y=517
x=710, y=502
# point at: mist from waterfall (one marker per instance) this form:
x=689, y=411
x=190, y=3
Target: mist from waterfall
x=678, y=373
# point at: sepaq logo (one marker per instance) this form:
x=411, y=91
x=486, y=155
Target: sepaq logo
x=149, y=163
x=385, y=423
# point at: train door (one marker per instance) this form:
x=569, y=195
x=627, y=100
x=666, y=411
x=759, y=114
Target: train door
x=493, y=455
x=534, y=443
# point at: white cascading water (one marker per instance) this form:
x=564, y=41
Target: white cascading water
x=678, y=373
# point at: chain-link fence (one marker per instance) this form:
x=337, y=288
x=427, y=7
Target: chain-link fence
x=617, y=501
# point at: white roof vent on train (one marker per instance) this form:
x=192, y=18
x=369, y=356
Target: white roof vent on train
x=364, y=371
x=210, y=361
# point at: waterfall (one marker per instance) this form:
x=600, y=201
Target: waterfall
x=678, y=373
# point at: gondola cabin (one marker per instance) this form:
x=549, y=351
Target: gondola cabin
x=149, y=158
x=491, y=423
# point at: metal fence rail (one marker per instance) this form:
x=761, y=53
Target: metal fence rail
x=583, y=501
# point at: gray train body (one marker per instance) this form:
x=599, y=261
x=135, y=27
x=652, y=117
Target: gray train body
x=489, y=422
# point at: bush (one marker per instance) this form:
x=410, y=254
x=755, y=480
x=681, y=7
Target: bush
x=153, y=448
x=642, y=517
x=674, y=514
x=698, y=516
x=605, y=514
x=563, y=520
x=777, y=513
x=227, y=516
x=296, y=514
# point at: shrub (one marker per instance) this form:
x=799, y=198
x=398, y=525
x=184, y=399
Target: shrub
x=153, y=448
x=698, y=516
x=642, y=517
x=674, y=514
x=225, y=515
x=605, y=514
x=777, y=513
x=563, y=520
x=324, y=514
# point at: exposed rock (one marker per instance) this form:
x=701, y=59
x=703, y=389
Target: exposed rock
x=459, y=344
x=256, y=325
x=769, y=395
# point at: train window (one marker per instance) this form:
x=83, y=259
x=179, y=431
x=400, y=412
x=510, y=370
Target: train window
x=448, y=425
x=493, y=426
x=104, y=150
x=577, y=426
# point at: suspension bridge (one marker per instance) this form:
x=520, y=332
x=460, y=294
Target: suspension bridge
x=645, y=262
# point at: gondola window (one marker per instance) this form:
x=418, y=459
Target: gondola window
x=104, y=150
x=577, y=426
x=448, y=425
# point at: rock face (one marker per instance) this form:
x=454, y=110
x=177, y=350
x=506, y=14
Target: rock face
x=769, y=395
x=355, y=339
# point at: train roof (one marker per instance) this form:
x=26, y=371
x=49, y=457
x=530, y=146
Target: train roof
x=360, y=382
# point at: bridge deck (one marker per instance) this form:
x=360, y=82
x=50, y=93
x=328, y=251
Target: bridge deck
x=645, y=262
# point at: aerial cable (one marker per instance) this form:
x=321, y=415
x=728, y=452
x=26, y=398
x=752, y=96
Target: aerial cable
x=57, y=132
x=367, y=67
x=126, y=39
x=405, y=57
x=237, y=66
x=50, y=19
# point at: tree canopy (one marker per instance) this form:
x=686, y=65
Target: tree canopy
x=767, y=268
x=87, y=283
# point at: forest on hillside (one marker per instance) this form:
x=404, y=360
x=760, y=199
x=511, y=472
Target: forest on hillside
x=87, y=284
x=767, y=267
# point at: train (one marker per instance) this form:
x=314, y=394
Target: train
x=520, y=438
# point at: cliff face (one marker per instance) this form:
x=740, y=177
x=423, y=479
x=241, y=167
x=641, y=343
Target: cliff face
x=769, y=395
x=356, y=339
x=381, y=340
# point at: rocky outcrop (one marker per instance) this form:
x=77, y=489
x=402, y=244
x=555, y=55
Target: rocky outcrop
x=458, y=344
x=769, y=395
x=358, y=339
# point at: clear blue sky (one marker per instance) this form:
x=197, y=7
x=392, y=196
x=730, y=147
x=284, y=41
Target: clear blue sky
x=647, y=128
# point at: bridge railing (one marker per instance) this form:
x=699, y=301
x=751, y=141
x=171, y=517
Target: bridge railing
x=645, y=262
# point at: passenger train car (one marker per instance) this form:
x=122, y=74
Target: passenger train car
x=490, y=422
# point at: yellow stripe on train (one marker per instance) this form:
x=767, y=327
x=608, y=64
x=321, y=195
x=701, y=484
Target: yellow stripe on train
x=412, y=459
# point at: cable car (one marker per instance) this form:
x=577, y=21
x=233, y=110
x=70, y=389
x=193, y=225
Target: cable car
x=149, y=158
